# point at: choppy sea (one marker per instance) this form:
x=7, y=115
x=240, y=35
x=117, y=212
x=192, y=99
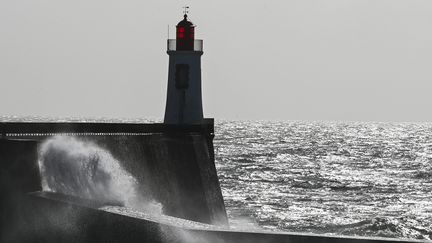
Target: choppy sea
x=341, y=178
x=349, y=178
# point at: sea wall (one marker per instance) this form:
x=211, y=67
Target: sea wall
x=173, y=163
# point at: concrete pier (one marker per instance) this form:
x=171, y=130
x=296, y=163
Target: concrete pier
x=174, y=163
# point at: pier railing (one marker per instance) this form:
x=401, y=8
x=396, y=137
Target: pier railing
x=44, y=129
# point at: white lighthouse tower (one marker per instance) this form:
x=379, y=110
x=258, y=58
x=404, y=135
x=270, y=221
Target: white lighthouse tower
x=184, y=101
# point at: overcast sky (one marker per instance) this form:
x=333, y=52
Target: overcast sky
x=365, y=60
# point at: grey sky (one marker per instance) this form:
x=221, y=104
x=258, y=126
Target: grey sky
x=286, y=60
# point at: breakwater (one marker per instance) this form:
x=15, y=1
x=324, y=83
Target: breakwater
x=174, y=162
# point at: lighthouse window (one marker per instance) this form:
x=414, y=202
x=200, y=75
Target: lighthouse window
x=182, y=76
x=180, y=32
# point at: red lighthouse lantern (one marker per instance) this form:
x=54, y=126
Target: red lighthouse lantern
x=185, y=35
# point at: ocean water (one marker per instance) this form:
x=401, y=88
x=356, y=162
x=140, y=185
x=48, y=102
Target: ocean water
x=340, y=178
x=349, y=178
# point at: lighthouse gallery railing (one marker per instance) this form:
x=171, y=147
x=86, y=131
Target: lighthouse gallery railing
x=171, y=45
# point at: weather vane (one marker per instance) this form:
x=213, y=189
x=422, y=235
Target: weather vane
x=186, y=9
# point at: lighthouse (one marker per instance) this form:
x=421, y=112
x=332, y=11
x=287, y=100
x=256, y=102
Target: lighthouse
x=184, y=101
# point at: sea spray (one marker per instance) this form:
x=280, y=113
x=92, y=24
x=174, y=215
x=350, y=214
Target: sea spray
x=81, y=168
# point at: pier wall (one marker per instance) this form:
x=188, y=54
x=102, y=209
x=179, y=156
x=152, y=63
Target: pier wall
x=173, y=163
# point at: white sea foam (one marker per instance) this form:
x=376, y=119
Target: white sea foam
x=81, y=168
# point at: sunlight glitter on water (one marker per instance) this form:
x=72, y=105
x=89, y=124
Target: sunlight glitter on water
x=328, y=177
